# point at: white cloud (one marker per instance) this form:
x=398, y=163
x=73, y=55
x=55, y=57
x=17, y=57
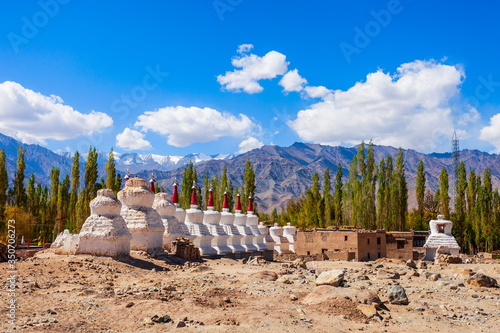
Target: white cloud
x=253, y=69
x=186, y=125
x=132, y=140
x=33, y=118
x=249, y=144
x=244, y=48
x=491, y=133
x=410, y=109
x=318, y=92
x=292, y=81
x=470, y=117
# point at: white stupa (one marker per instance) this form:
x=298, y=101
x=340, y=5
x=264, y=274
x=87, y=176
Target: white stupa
x=268, y=240
x=240, y=221
x=227, y=222
x=290, y=232
x=211, y=218
x=194, y=222
x=166, y=209
x=281, y=242
x=440, y=236
x=253, y=224
x=180, y=214
x=143, y=222
x=104, y=233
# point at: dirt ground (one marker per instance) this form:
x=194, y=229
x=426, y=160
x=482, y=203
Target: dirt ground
x=59, y=293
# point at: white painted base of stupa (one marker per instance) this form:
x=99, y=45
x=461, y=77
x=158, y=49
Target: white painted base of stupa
x=201, y=238
x=108, y=248
x=104, y=236
x=247, y=241
x=281, y=244
x=258, y=238
x=146, y=227
x=220, y=238
x=234, y=241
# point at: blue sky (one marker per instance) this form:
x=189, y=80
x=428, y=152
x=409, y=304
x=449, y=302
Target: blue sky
x=172, y=78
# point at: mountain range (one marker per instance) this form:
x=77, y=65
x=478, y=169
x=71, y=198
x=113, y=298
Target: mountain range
x=281, y=173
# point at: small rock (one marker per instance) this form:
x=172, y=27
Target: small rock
x=334, y=278
x=411, y=263
x=180, y=324
x=147, y=321
x=129, y=305
x=265, y=275
x=368, y=310
x=293, y=298
x=419, y=309
x=397, y=295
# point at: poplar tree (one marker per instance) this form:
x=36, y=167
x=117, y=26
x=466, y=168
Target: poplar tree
x=111, y=172
x=4, y=185
x=420, y=193
x=460, y=205
x=383, y=187
x=73, y=197
x=400, y=192
x=445, y=198
x=206, y=190
x=249, y=185
x=486, y=211
x=389, y=193
x=327, y=198
x=19, y=190
x=338, y=196
x=54, y=189
x=90, y=182
x=187, y=184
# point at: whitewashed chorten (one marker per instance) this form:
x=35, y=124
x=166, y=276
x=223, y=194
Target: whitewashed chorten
x=143, y=222
x=227, y=222
x=290, y=232
x=440, y=236
x=281, y=243
x=180, y=214
x=211, y=218
x=240, y=221
x=253, y=224
x=173, y=228
x=105, y=232
x=194, y=222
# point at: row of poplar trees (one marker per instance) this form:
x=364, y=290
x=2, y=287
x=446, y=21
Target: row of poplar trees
x=376, y=197
x=49, y=210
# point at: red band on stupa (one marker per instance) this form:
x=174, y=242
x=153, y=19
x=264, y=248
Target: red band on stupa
x=250, y=204
x=210, y=199
x=175, y=196
x=152, y=185
x=226, y=202
x=194, y=198
x=238, y=203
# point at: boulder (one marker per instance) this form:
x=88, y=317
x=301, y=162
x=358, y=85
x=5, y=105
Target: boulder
x=397, y=295
x=323, y=293
x=334, y=278
x=481, y=280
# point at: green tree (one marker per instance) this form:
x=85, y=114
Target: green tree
x=460, y=205
x=402, y=198
x=420, y=193
x=445, y=198
x=249, y=185
x=19, y=190
x=327, y=198
x=73, y=197
x=383, y=187
x=338, y=196
x=90, y=183
x=111, y=172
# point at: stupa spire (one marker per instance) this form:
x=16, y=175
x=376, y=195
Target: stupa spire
x=250, y=205
x=194, y=198
x=225, y=205
x=238, y=203
x=175, y=195
x=210, y=199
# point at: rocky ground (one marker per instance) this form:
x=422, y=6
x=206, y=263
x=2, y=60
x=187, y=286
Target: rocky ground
x=142, y=294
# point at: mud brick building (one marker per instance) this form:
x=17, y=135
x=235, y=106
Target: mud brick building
x=358, y=244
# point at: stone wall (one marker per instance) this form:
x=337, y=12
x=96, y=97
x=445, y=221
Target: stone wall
x=311, y=242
